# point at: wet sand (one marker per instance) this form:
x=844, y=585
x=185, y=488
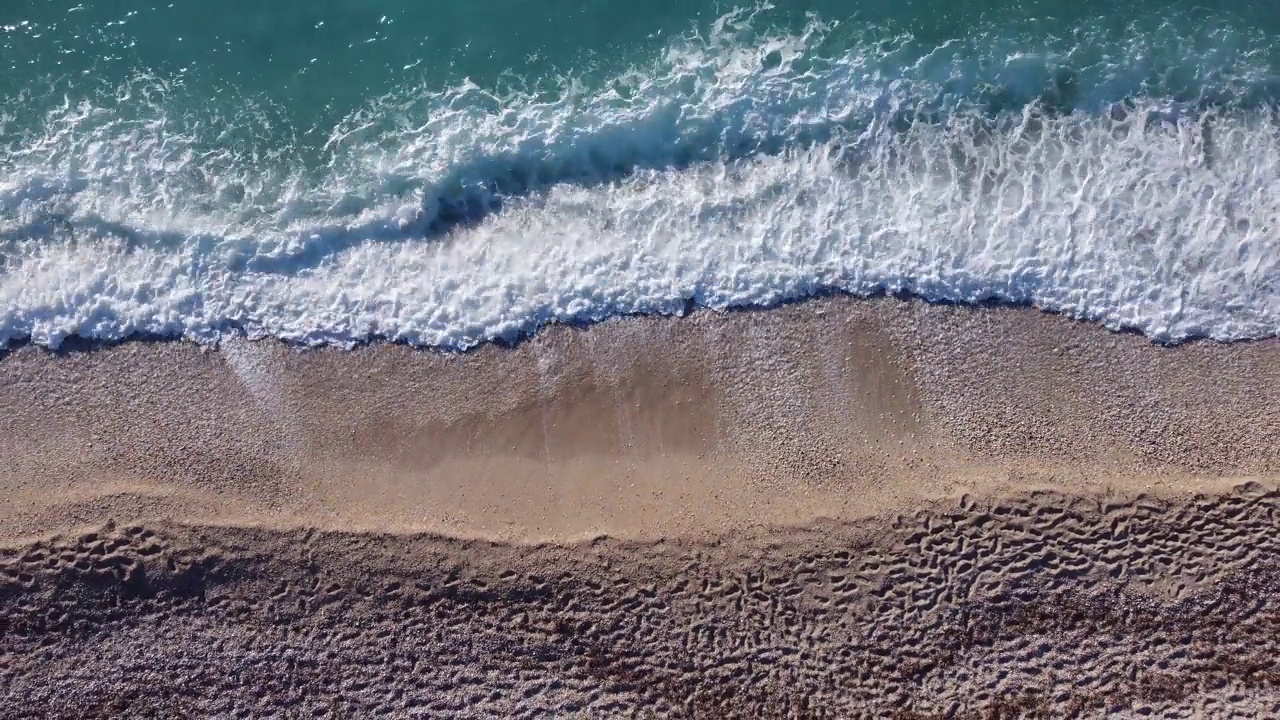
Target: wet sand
x=830, y=509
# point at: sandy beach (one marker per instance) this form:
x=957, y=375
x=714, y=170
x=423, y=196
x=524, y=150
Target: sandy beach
x=837, y=508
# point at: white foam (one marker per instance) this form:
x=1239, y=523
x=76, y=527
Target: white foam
x=643, y=196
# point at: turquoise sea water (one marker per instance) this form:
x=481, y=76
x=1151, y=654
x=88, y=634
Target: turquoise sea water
x=451, y=173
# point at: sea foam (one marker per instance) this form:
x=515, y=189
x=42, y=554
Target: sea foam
x=1127, y=182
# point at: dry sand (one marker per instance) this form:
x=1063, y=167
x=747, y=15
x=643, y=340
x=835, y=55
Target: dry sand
x=839, y=508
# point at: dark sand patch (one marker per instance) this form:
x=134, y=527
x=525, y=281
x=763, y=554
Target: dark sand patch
x=1036, y=606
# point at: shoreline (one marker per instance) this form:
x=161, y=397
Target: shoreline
x=650, y=426
x=235, y=332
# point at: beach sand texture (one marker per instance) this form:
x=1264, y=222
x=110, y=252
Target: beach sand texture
x=836, y=508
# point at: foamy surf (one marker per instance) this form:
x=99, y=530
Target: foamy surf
x=1128, y=182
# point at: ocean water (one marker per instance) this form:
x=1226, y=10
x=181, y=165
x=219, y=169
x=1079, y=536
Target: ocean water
x=451, y=173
